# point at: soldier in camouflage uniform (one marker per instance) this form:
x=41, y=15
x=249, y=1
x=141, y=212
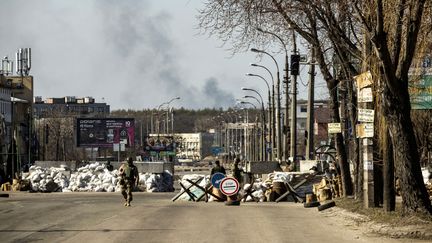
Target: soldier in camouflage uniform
x=129, y=179
x=236, y=171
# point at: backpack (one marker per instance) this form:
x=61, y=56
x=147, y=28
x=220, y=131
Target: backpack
x=127, y=171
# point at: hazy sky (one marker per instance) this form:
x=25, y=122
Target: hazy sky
x=130, y=53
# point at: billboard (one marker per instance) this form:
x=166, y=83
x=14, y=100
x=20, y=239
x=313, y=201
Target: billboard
x=104, y=132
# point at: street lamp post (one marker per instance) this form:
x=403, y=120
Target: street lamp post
x=263, y=140
x=172, y=115
x=249, y=144
x=270, y=127
x=293, y=119
x=278, y=111
x=272, y=119
x=158, y=115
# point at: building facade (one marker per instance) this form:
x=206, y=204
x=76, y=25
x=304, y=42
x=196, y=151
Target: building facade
x=69, y=106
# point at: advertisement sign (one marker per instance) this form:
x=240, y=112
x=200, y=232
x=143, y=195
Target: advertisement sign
x=105, y=132
x=363, y=80
x=334, y=128
x=364, y=95
x=366, y=115
x=365, y=130
x=364, y=90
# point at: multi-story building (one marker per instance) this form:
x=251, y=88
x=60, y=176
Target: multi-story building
x=16, y=94
x=193, y=146
x=69, y=106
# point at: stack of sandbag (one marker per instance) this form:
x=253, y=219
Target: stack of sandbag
x=157, y=182
x=323, y=190
x=47, y=179
x=259, y=189
x=205, y=179
x=93, y=177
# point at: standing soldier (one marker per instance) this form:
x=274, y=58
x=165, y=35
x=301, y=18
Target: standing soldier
x=129, y=178
x=217, y=168
x=236, y=171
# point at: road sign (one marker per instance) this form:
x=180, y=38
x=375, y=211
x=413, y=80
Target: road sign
x=216, y=179
x=229, y=186
x=216, y=150
x=365, y=130
x=334, y=127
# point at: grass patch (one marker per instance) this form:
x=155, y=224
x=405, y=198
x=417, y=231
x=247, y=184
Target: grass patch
x=395, y=218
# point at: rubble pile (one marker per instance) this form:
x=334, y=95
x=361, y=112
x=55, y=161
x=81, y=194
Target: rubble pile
x=93, y=177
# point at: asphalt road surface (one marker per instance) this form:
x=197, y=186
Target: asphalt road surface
x=153, y=217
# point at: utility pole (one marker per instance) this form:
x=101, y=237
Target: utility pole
x=310, y=107
x=366, y=143
x=287, y=101
x=295, y=61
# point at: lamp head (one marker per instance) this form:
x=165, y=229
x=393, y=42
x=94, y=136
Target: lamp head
x=254, y=50
x=249, y=74
x=243, y=88
x=253, y=64
x=259, y=29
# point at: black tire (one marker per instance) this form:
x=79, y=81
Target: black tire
x=311, y=204
x=327, y=205
x=4, y=195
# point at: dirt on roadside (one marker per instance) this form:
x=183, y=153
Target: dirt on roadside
x=376, y=221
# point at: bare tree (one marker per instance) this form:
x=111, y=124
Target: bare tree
x=394, y=28
x=235, y=22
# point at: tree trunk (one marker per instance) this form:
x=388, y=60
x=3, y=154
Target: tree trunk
x=340, y=148
x=354, y=144
x=415, y=197
x=388, y=174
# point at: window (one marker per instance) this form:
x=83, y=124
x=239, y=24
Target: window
x=303, y=108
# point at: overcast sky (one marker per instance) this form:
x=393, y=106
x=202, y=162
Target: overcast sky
x=133, y=54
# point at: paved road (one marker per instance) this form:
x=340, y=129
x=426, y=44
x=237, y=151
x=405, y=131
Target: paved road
x=153, y=217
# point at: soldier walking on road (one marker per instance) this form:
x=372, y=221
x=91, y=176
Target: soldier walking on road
x=129, y=179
